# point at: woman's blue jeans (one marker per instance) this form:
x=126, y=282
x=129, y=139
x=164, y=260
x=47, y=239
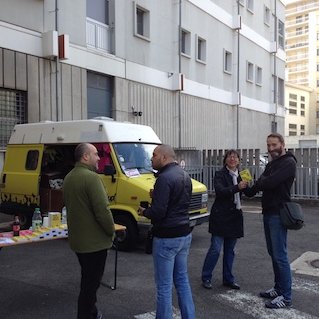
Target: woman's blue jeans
x=213, y=255
x=170, y=266
x=276, y=240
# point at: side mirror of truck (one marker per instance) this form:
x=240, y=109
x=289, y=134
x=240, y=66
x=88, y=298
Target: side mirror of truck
x=109, y=170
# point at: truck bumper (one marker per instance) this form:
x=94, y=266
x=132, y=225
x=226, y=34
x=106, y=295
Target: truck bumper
x=198, y=219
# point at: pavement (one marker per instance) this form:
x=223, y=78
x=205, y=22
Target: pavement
x=41, y=280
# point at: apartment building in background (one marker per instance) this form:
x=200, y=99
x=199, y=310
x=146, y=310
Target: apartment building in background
x=302, y=67
x=298, y=99
x=205, y=74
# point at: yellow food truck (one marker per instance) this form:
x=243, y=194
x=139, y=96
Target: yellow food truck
x=39, y=155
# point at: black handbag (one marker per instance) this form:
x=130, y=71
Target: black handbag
x=292, y=216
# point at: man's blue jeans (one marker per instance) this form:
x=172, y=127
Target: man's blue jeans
x=170, y=265
x=276, y=240
x=213, y=255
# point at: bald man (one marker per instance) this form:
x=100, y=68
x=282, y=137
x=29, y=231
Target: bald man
x=172, y=234
x=90, y=225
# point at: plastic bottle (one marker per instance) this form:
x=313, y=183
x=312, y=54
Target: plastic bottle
x=64, y=219
x=16, y=226
x=36, y=219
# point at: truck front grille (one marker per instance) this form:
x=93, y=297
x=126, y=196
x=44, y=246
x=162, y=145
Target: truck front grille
x=196, y=202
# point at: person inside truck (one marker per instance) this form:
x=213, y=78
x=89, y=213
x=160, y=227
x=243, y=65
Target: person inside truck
x=104, y=151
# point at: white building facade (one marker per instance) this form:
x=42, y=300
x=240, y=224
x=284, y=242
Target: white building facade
x=204, y=74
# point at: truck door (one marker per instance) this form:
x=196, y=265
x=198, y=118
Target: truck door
x=20, y=177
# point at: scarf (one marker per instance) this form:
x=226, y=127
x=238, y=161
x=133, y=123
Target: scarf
x=234, y=175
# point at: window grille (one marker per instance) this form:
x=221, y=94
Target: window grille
x=13, y=110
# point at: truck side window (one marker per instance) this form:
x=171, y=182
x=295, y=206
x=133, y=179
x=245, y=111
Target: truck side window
x=32, y=160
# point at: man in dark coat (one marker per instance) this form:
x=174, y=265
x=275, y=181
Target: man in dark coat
x=275, y=183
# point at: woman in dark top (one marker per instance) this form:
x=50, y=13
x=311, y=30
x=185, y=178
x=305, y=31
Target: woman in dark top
x=226, y=220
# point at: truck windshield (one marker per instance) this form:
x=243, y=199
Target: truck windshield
x=135, y=157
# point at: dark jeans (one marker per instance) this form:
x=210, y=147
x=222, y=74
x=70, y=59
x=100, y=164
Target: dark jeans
x=92, y=269
x=213, y=255
x=276, y=240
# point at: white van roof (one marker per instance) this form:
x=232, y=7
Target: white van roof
x=97, y=130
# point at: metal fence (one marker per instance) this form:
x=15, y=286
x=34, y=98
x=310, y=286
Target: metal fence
x=305, y=186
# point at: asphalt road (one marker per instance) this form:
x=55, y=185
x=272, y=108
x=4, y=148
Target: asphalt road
x=41, y=280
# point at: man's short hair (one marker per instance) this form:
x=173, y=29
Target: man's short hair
x=167, y=150
x=277, y=135
x=80, y=150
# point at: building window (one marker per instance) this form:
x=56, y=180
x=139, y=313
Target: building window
x=292, y=133
x=302, y=113
x=281, y=34
x=13, y=110
x=259, y=75
x=292, y=111
x=186, y=42
x=292, y=103
x=250, y=72
x=250, y=5
x=317, y=114
x=302, y=127
x=298, y=31
x=298, y=19
x=98, y=10
x=317, y=83
x=99, y=95
x=293, y=126
x=292, y=96
x=302, y=106
x=317, y=52
x=267, y=16
x=200, y=49
x=142, y=22
x=302, y=98
x=227, y=62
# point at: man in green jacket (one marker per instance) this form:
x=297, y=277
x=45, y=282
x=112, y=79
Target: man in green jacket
x=90, y=225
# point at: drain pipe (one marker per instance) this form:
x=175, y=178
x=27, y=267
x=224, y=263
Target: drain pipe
x=179, y=71
x=238, y=63
x=273, y=127
x=57, y=66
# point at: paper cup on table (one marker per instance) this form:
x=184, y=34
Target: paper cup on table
x=54, y=219
x=46, y=222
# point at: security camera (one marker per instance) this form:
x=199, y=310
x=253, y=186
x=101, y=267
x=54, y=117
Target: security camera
x=140, y=113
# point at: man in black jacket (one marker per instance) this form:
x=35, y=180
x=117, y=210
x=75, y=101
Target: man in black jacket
x=172, y=233
x=275, y=183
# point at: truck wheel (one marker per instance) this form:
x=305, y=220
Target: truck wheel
x=127, y=242
x=25, y=221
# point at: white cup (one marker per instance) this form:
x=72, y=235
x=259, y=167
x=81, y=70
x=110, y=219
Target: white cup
x=46, y=221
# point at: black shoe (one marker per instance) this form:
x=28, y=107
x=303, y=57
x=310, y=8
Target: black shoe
x=231, y=285
x=278, y=303
x=269, y=294
x=207, y=284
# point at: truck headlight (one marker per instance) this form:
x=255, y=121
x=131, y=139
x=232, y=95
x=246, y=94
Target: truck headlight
x=204, y=200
